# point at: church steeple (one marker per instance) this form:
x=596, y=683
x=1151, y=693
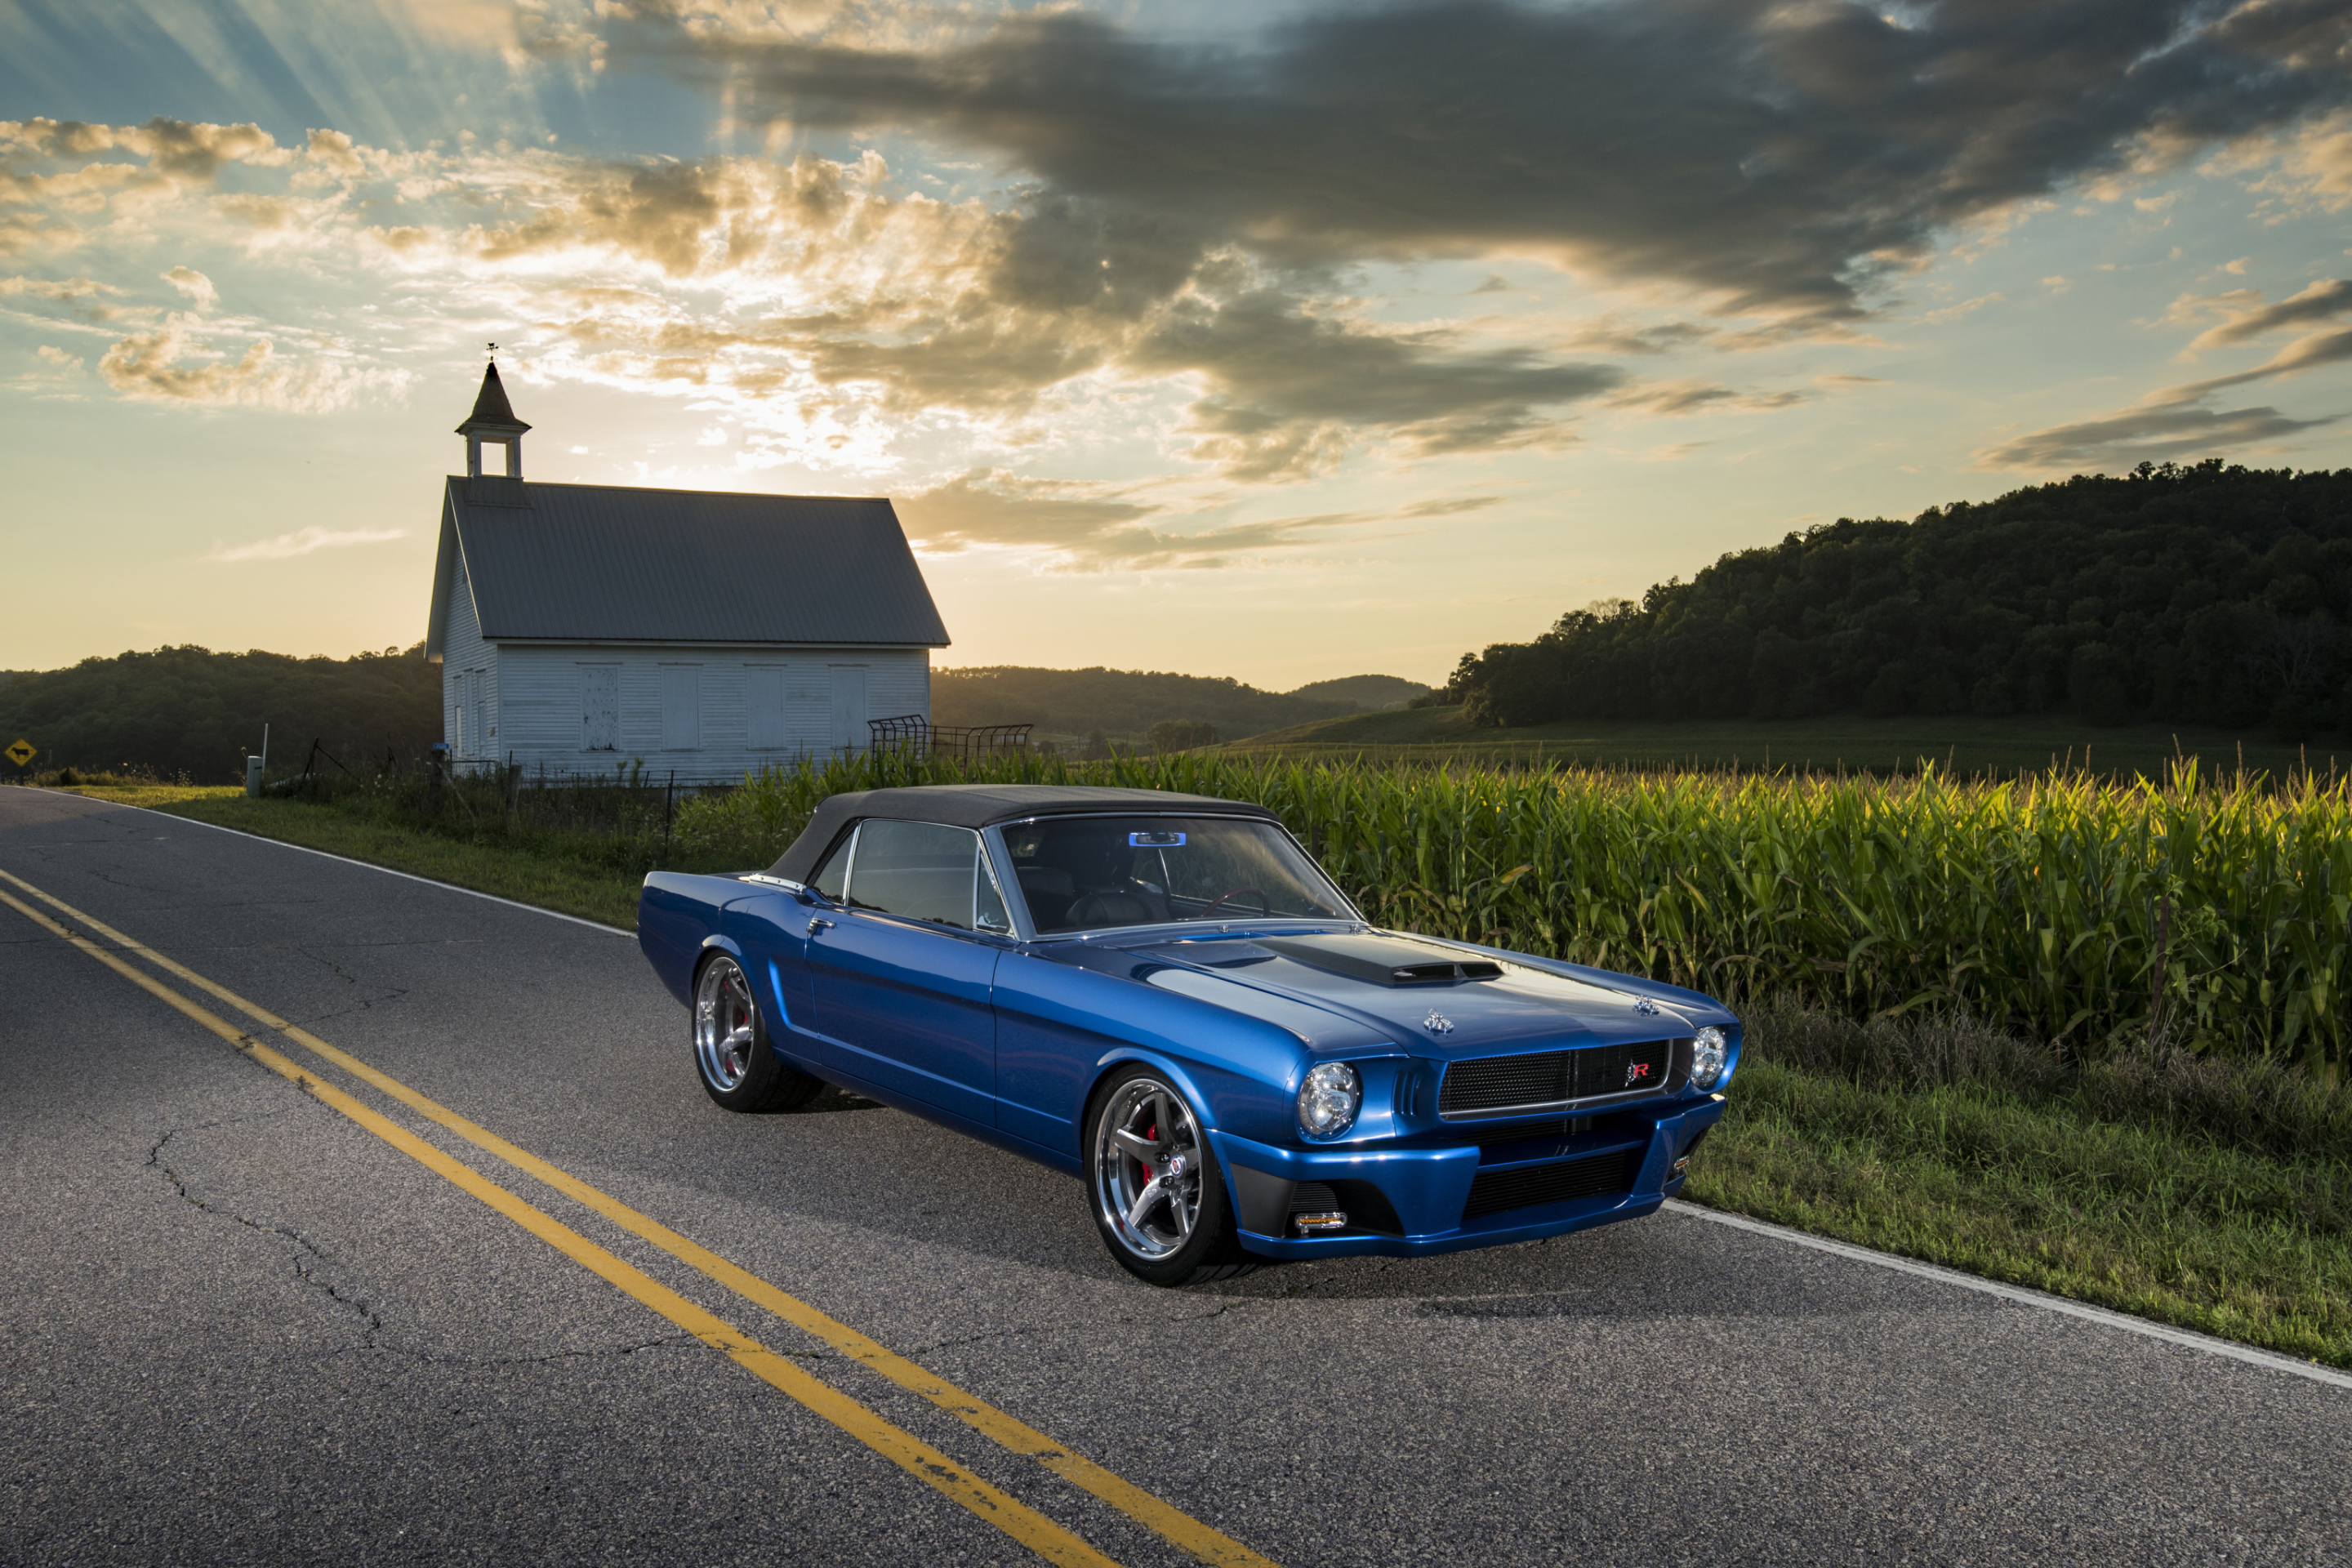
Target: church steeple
x=493, y=419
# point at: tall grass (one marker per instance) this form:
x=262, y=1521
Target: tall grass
x=2072, y=907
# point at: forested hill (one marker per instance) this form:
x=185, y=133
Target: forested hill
x=1124, y=704
x=2210, y=595
x=189, y=710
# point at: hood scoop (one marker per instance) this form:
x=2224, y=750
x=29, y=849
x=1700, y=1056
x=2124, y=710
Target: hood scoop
x=1382, y=961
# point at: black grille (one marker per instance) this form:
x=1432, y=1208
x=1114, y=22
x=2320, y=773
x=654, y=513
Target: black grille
x=1523, y=1131
x=1547, y=1077
x=1524, y=1187
x=1313, y=1197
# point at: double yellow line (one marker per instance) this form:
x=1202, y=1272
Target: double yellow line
x=1005, y=1512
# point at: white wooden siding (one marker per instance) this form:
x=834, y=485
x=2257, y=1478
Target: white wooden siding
x=541, y=690
x=470, y=721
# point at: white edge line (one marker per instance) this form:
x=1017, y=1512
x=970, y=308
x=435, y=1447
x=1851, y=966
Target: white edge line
x=2103, y=1316
x=365, y=865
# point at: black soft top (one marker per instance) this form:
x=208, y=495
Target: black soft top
x=980, y=805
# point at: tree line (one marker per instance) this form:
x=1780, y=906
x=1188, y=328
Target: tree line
x=189, y=712
x=2208, y=593
x=1106, y=706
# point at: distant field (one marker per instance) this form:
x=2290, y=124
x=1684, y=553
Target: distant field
x=1964, y=746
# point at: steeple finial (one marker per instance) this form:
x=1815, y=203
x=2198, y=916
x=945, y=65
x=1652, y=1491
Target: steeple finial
x=493, y=419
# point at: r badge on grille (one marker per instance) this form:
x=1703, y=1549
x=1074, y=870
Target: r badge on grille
x=1437, y=1023
x=1635, y=1072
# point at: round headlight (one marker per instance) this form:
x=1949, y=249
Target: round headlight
x=1328, y=1099
x=1708, y=1052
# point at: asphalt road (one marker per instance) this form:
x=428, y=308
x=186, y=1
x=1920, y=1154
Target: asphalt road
x=239, y=1326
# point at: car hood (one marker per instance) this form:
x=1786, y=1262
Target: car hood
x=1432, y=998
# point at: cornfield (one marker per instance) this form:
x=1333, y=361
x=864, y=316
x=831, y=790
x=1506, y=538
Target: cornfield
x=2078, y=908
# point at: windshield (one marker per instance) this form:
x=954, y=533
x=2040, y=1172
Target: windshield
x=1084, y=873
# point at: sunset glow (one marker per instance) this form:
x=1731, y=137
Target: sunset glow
x=1274, y=342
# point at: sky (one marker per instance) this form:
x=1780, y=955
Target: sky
x=1273, y=341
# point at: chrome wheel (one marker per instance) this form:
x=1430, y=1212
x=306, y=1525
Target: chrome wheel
x=726, y=1023
x=1147, y=1168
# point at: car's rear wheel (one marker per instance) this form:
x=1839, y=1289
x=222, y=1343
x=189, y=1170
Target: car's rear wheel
x=732, y=1053
x=1158, y=1199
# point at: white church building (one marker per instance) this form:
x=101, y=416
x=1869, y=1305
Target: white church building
x=708, y=632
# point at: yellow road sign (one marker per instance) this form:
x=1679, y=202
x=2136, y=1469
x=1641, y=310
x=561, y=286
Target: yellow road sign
x=21, y=752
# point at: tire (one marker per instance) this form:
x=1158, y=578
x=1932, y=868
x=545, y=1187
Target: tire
x=732, y=1057
x=1162, y=1232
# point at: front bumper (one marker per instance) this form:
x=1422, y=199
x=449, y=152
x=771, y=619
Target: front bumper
x=1404, y=1200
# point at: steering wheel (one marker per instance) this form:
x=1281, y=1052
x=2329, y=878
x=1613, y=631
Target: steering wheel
x=1265, y=903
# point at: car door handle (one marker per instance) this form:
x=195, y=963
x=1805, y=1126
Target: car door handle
x=818, y=922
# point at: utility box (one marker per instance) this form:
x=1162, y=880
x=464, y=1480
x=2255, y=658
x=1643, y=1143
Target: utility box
x=252, y=775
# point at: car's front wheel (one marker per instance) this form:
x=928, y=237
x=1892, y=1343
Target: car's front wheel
x=731, y=1046
x=1158, y=1199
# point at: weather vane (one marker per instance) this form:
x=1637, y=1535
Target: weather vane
x=494, y=353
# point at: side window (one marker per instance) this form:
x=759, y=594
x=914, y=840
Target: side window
x=918, y=869
x=832, y=877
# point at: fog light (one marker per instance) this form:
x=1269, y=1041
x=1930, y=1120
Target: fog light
x=1708, y=1052
x=1319, y=1224
x=1328, y=1099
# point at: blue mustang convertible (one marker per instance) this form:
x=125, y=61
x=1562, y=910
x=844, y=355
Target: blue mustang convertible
x=1164, y=994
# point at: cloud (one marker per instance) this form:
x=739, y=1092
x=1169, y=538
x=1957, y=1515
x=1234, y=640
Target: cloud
x=2145, y=434
x=1092, y=528
x=2309, y=170
x=920, y=307
x=61, y=290
x=1791, y=157
x=1668, y=398
x=174, y=365
x=1615, y=333
x=304, y=542
x=1291, y=392
x=2247, y=317
x=1964, y=308
x=2303, y=353
x=181, y=149
x=194, y=285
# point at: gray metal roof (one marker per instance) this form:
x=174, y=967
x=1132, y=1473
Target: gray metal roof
x=609, y=563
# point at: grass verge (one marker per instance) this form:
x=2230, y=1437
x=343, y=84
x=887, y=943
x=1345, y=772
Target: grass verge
x=2210, y=1193
x=525, y=868
x=2179, y=1229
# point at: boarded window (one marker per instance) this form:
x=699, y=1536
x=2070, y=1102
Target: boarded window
x=808, y=707
x=681, y=690
x=849, y=731
x=600, y=707
x=766, y=728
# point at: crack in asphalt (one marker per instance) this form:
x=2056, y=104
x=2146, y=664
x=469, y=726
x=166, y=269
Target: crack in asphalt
x=383, y=993
x=681, y=1342
x=373, y=1325
x=121, y=882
